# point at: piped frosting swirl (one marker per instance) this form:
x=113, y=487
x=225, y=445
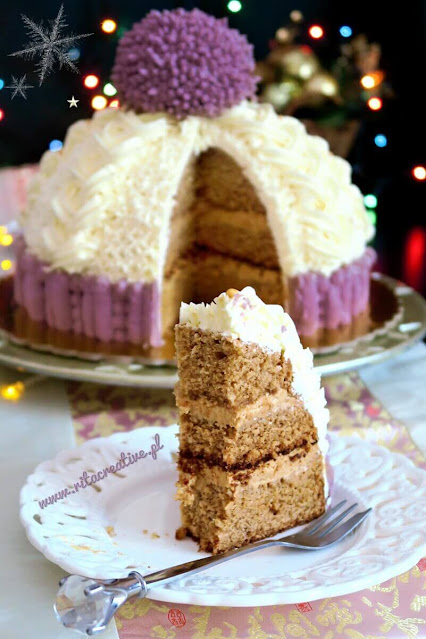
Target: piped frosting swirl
x=102, y=205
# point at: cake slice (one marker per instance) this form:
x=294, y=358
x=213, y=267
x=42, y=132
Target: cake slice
x=253, y=423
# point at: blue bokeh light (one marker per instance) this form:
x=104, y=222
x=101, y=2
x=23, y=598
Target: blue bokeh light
x=380, y=140
x=345, y=31
x=74, y=54
x=1, y=84
x=55, y=145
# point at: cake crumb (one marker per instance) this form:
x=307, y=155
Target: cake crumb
x=110, y=531
x=232, y=292
x=145, y=531
x=155, y=535
x=181, y=533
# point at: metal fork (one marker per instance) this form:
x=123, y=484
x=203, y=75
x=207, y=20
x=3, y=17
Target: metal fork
x=80, y=610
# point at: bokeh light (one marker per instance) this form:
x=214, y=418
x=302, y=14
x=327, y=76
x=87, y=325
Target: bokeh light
x=12, y=392
x=414, y=257
x=373, y=79
x=109, y=89
x=296, y=16
x=375, y=104
x=367, y=81
x=419, y=173
x=380, y=140
x=55, y=145
x=108, y=25
x=370, y=201
x=1, y=114
x=345, y=31
x=1, y=83
x=234, y=6
x=282, y=35
x=306, y=70
x=99, y=102
x=316, y=31
x=372, y=216
x=114, y=104
x=74, y=54
x=6, y=265
x=6, y=239
x=91, y=81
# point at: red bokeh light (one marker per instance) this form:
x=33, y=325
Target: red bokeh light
x=375, y=104
x=419, y=173
x=91, y=81
x=414, y=262
x=316, y=31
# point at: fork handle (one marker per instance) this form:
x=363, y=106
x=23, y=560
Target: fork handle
x=192, y=567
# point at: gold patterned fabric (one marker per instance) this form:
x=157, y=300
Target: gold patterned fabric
x=395, y=609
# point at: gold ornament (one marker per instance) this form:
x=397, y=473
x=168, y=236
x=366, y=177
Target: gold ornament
x=323, y=83
x=282, y=35
x=280, y=94
x=296, y=16
x=295, y=61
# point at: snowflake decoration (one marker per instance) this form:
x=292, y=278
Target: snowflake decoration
x=50, y=44
x=19, y=87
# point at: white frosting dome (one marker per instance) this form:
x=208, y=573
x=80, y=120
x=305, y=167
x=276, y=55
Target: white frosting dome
x=246, y=317
x=102, y=204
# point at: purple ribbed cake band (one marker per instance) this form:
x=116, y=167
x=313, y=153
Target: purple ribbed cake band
x=130, y=312
x=318, y=302
x=87, y=305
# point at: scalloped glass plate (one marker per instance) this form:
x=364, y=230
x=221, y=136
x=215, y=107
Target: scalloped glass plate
x=129, y=521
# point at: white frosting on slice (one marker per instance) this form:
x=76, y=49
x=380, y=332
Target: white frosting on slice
x=246, y=317
x=102, y=205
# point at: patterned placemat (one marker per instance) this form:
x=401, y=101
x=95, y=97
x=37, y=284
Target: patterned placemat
x=396, y=608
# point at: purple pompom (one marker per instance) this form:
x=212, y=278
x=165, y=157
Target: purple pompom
x=184, y=63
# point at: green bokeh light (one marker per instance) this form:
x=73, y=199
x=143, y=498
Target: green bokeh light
x=109, y=89
x=372, y=217
x=234, y=6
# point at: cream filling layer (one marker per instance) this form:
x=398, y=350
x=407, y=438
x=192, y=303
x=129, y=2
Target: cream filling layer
x=266, y=405
x=282, y=467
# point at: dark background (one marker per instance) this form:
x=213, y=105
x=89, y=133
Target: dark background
x=29, y=125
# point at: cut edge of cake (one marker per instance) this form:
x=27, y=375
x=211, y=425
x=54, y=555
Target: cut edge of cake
x=253, y=423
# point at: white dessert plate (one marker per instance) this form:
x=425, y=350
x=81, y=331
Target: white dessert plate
x=128, y=520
